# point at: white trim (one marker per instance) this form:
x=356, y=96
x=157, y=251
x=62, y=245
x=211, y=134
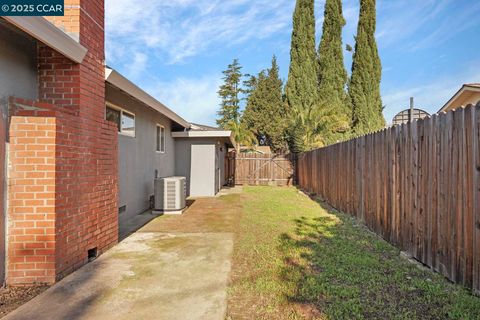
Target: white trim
x=200, y=134
x=205, y=134
x=122, y=110
x=164, y=138
x=45, y=32
x=464, y=88
x=122, y=83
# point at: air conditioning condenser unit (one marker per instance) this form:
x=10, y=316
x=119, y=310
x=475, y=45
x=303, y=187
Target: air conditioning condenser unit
x=170, y=195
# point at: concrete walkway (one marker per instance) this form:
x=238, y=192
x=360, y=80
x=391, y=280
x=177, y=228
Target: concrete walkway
x=175, y=267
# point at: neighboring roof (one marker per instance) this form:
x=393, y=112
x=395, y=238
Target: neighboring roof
x=205, y=134
x=465, y=87
x=122, y=83
x=45, y=32
x=404, y=116
x=201, y=127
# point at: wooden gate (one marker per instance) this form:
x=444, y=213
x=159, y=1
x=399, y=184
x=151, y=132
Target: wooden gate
x=264, y=169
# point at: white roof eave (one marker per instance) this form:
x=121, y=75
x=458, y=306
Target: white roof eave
x=122, y=83
x=45, y=32
x=205, y=134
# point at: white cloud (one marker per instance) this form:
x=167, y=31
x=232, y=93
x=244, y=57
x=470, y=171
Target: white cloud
x=180, y=29
x=422, y=24
x=138, y=65
x=195, y=99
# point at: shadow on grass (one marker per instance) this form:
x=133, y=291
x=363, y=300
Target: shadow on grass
x=300, y=250
x=339, y=270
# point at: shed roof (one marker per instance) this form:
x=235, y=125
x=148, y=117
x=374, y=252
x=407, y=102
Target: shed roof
x=219, y=134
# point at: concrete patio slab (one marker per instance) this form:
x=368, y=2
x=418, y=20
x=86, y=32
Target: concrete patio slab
x=153, y=274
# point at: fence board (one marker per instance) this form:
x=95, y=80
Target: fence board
x=417, y=185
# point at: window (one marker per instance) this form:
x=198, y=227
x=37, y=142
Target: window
x=113, y=115
x=160, y=138
x=128, y=123
x=124, y=120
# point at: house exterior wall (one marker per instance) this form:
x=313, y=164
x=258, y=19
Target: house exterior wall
x=18, y=65
x=138, y=158
x=63, y=168
x=202, y=162
x=183, y=158
x=31, y=236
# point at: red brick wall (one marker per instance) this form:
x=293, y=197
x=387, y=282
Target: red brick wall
x=86, y=179
x=84, y=213
x=62, y=191
x=31, y=218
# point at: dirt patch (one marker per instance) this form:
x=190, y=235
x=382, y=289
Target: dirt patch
x=308, y=311
x=13, y=297
x=220, y=214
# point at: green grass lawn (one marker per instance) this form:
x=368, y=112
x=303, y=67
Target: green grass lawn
x=295, y=258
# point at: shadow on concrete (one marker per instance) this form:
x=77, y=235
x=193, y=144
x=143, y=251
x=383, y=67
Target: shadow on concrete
x=127, y=228
x=71, y=298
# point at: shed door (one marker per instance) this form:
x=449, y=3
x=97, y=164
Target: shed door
x=202, y=170
x=3, y=183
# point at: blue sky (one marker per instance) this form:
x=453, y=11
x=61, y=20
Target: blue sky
x=177, y=49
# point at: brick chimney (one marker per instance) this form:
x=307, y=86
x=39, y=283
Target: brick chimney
x=70, y=210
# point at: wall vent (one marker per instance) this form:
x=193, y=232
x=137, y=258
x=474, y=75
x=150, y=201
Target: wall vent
x=92, y=254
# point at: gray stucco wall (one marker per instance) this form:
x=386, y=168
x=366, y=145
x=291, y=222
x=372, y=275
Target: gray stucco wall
x=183, y=157
x=205, y=176
x=18, y=64
x=138, y=158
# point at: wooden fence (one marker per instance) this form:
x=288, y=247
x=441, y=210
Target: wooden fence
x=264, y=169
x=416, y=185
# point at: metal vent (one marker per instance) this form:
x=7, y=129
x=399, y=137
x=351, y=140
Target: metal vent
x=170, y=195
x=122, y=209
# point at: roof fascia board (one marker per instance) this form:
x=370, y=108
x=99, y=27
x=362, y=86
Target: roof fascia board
x=122, y=83
x=202, y=134
x=45, y=32
x=459, y=92
x=205, y=134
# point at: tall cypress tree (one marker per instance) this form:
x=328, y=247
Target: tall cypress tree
x=230, y=94
x=265, y=111
x=332, y=75
x=302, y=85
x=364, y=88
